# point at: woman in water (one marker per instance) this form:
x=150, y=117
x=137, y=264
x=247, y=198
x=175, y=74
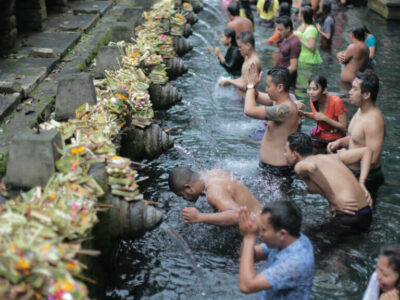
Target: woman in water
x=327, y=22
x=328, y=111
x=370, y=40
x=308, y=35
x=267, y=10
x=384, y=283
x=233, y=60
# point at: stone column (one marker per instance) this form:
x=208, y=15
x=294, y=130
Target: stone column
x=31, y=15
x=8, y=26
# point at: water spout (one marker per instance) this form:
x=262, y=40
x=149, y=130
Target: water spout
x=196, y=34
x=208, y=59
x=205, y=24
x=218, y=17
x=205, y=88
x=189, y=155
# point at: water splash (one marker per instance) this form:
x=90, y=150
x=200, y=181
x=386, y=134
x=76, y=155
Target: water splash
x=209, y=61
x=217, y=17
x=208, y=26
x=205, y=88
x=201, y=37
x=187, y=252
x=188, y=155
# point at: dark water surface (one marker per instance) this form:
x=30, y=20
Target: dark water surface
x=205, y=264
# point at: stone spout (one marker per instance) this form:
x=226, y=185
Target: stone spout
x=150, y=142
x=175, y=67
x=182, y=46
x=164, y=96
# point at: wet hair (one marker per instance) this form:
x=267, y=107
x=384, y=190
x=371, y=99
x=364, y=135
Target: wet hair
x=301, y=143
x=319, y=80
x=245, y=4
x=284, y=9
x=180, y=176
x=326, y=11
x=285, y=21
x=280, y=75
x=369, y=83
x=234, y=8
x=307, y=14
x=267, y=5
x=392, y=252
x=284, y=215
x=230, y=33
x=305, y=3
x=246, y=38
x=366, y=29
x=358, y=32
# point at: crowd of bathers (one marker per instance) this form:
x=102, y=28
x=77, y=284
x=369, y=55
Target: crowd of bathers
x=339, y=160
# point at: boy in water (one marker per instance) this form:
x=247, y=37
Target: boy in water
x=222, y=191
x=328, y=175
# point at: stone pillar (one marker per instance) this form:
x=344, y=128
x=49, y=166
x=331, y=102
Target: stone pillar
x=8, y=26
x=31, y=15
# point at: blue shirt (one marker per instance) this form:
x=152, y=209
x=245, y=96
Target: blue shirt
x=371, y=41
x=289, y=271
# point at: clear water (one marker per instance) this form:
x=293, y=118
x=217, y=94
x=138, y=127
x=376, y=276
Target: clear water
x=205, y=264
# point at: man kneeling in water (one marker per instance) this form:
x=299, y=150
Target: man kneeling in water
x=328, y=175
x=222, y=191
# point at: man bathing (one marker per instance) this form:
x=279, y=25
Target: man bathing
x=280, y=112
x=222, y=191
x=356, y=56
x=236, y=22
x=246, y=46
x=329, y=176
x=366, y=129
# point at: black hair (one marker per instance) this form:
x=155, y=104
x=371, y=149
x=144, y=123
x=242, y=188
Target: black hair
x=358, y=32
x=280, y=75
x=392, y=252
x=180, y=176
x=230, y=33
x=246, y=38
x=307, y=14
x=326, y=11
x=267, y=5
x=284, y=215
x=305, y=3
x=285, y=21
x=234, y=8
x=369, y=83
x=301, y=143
x=319, y=80
x=245, y=4
x=366, y=30
x=284, y=9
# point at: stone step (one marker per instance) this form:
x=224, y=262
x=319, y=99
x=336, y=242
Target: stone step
x=71, y=22
x=90, y=7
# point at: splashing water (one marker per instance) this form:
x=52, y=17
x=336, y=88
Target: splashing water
x=188, y=155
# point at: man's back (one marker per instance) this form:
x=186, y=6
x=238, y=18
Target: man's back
x=275, y=136
x=357, y=57
x=340, y=179
x=219, y=183
x=240, y=24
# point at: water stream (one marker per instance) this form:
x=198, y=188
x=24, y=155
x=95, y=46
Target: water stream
x=154, y=268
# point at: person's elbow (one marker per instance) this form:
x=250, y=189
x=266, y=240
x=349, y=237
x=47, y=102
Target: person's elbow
x=248, y=111
x=245, y=288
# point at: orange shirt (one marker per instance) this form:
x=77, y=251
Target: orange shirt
x=276, y=37
x=335, y=108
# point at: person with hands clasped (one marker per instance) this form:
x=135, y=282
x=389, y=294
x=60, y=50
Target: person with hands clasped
x=290, y=258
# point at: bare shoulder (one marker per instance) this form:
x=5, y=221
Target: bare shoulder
x=374, y=119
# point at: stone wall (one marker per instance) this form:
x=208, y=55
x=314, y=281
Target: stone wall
x=31, y=15
x=8, y=26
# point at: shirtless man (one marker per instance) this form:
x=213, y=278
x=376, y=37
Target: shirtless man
x=222, y=191
x=236, y=22
x=355, y=58
x=366, y=129
x=280, y=112
x=246, y=45
x=349, y=201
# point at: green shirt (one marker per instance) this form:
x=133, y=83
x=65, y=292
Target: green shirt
x=307, y=56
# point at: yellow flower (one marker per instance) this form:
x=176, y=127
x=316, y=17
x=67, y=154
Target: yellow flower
x=37, y=295
x=77, y=150
x=120, y=96
x=66, y=285
x=71, y=266
x=46, y=248
x=21, y=264
x=115, y=157
x=53, y=197
x=13, y=247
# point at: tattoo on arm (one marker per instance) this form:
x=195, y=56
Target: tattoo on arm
x=276, y=112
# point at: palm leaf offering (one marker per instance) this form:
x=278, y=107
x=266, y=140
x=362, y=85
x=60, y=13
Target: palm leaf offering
x=41, y=230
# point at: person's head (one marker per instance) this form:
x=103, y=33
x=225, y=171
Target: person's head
x=365, y=87
x=307, y=15
x=278, y=81
x=358, y=33
x=317, y=87
x=278, y=221
x=326, y=7
x=366, y=30
x=185, y=183
x=233, y=10
x=298, y=145
x=228, y=37
x=284, y=9
x=305, y=3
x=246, y=43
x=284, y=25
x=388, y=268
